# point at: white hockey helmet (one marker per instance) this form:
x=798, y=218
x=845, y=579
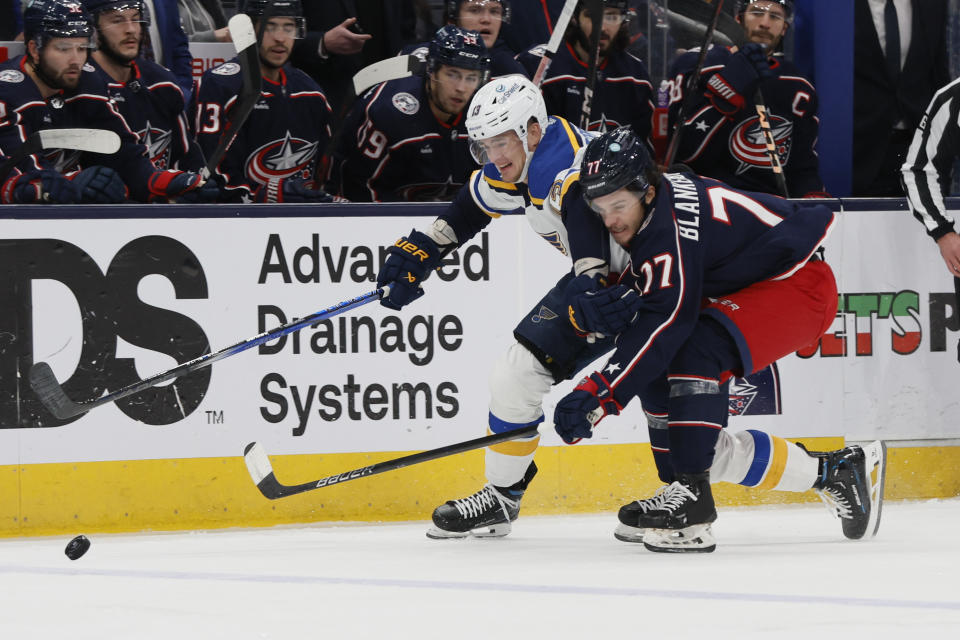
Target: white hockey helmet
x=507, y=103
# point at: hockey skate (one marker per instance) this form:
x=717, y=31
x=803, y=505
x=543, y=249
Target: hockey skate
x=682, y=522
x=488, y=513
x=630, y=528
x=851, y=486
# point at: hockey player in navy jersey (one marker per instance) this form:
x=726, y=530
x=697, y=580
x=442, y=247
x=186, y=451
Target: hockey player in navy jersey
x=145, y=94
x=405, y=139
x=276, y=156
x=487, y=18
x=720, y=282
x=51, y=86
x=721, y=134
x=623, y=94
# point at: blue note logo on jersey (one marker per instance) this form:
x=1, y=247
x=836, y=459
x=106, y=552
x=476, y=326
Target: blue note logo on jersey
x=748, y=146
x=282, y=159
x=757, y=394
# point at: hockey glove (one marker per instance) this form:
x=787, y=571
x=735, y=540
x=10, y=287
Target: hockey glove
x=38, y=187
x=206, y=193
x=608, y=311
x=291, y=190
x=727, y=88
x=172, y=183
x=100, y=185
x=579, y=411
x=576, y=288
x=410, y=261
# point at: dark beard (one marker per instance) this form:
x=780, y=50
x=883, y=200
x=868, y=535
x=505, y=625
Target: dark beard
x=116, y=57
x=51, y=80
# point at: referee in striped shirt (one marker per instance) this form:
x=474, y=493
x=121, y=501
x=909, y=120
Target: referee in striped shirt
x=927, y=169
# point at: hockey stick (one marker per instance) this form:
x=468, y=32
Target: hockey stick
x=92, y=140
x=770, y=143
x=258, y=464
x=44, y=383
x=245, y=42
x=691, y=86
x=559, y=30
x=595, y=8
x=389, y=69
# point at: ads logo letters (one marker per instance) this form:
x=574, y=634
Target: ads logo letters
x=110, y=309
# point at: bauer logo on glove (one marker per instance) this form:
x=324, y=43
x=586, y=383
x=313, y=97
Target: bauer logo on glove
x=412, y=249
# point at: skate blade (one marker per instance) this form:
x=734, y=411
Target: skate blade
x=626, y=533
x=876, y=467
x=491, y=531
x=697, y=538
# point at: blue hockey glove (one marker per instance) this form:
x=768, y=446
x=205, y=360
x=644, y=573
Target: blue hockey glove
x=579, y=411
x=100, y=185
x=172, y=183
x=412, y=258
x=38, y=187
x=291, y=190
x=608, y=311
x=739, y=77
x=576, y=288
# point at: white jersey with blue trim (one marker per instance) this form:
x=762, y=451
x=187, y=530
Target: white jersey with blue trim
x=560, y=149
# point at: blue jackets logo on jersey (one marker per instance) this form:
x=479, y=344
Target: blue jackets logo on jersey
x=157, y=142
x=757, y=394
x=750, y=149
x=11, y=75
x=281, y=159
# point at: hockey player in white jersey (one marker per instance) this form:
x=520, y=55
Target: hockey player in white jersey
x=530, y=163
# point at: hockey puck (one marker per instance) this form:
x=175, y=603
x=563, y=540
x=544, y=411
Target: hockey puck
x=77, y=547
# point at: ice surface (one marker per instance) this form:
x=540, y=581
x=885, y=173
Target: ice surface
x=778, y=572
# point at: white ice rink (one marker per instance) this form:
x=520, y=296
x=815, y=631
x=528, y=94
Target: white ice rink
x=778, y=572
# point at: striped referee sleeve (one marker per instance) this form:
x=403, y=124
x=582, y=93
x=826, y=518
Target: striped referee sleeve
x=928, y=163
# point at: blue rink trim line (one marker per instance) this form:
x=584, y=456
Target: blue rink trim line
x=169, y=213
x=502, y=426
x=761, y=458
x=548, y=589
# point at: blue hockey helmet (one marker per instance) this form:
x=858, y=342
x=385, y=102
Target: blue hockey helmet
x=45, y=19
x=457, y=47
x=97, y=7
x=453, y=8
x=279, y=8
x=615, y=160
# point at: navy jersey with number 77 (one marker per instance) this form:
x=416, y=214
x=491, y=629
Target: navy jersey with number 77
x=703, y=239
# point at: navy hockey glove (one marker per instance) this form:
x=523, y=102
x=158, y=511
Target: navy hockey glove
x=206, y=193
x=576, y=288
x=172, y=183
x=412, y=258
x=608, y=311
x=291, y=190
x=100, y=185
x=727, y=87
x=38, y=187
x=579, y=411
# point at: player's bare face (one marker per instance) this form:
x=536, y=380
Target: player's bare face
x=765, y=23
x=622, y=213
x=121, y=32
x=452, y=88
x=506, y=153
x=612, y=19
x=62, y=60
x=279, y=34
x=483, y=16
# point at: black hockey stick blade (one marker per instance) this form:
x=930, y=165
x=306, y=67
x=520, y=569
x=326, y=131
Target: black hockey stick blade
x=262, y=474
x=50, y=392
x=389, y=69
x=248, y=53
x=696, y=15
x=554, y=43
x=595, y=9
x=92, y=140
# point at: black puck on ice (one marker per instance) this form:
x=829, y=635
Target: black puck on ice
x=77, y=547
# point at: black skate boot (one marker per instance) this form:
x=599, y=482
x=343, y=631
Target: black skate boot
x=485, y=514
x=851, y=486
x=682, y=522
x=630, y=529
